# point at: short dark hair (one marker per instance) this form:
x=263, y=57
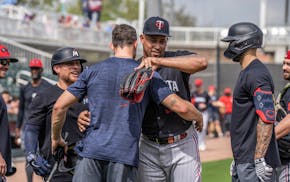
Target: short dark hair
x=123, y=34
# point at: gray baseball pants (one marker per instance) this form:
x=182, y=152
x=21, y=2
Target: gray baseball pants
x=174, y=162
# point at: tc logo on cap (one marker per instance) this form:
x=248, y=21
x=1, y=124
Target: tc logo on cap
x=159, y=24
x=75, y=53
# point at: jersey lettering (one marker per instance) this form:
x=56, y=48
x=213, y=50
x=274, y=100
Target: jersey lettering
x=172, y=85
x=200, y=99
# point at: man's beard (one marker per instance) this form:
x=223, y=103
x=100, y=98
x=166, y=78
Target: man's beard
x=287, y=77
x=36, y=76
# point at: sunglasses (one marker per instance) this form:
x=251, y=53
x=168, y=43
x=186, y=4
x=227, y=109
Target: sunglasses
x=4, y=62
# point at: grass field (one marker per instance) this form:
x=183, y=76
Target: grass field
x=216, y=171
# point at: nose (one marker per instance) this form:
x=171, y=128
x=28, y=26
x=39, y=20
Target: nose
x=284, y=67
x=76, y=65
x=157, y=45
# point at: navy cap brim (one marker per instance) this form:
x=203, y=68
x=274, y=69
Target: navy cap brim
x=12, y=60
x=157, y=33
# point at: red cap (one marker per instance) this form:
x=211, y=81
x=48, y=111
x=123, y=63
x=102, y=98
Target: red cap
x=198, y=82
x=227, y=90
x=287, y=56
x=35, y=63
x=211, y=87
x=5, y=54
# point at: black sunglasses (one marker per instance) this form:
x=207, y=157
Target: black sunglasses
x=4, y=62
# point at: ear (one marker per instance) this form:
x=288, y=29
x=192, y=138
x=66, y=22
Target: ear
x=56, y=68
x=136, y=44
x=112, y=46
x=142, y=38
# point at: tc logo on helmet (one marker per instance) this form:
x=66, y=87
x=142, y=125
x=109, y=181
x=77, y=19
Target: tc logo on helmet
x=159, y=24
x=75, y=53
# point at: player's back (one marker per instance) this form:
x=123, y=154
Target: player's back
x=115, y=123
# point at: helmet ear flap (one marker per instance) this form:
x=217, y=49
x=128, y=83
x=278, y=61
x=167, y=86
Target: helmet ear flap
x=233, y=51
x=237, y=47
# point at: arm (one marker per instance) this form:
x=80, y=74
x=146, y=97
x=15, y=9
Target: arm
x=266, y=114
x=184, y=109
x=283, y=128
x=3, y=166
x=264, y=134
x=58, y=117
x=20, y=113
x=189, y=64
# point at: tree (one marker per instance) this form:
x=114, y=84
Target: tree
x=178, y=17
x=127, y=9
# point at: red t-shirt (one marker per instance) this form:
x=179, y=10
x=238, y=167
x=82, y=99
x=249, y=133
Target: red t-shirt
x=228, y=102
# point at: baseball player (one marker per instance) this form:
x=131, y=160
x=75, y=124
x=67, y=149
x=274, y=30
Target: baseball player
x=282, y=129
x=165, y=135
x=110, y=146
x=201, y=100
x=252, y=133
x=66, y=63
x=213, y=112
x=227, y=100
x=5, y=143
x=27, y=93
x=162, y=129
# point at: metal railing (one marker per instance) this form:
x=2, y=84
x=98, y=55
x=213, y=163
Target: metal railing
x=60, y=34
x=45, y=27
x=25, y=54
x=18, y=73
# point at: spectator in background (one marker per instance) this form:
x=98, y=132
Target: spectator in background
x=6, y=96
x=214, y=115
x=12, y=110
x=61, y=19
x=14, y=104
x=95, y=7
x=226, y=110
x=85, y=10
x=200, y=99
x=27, y=93
x=28, y=17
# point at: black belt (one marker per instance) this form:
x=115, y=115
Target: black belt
x=166, y=140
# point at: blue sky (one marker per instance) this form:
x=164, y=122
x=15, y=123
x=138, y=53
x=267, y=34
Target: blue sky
x=223, y=13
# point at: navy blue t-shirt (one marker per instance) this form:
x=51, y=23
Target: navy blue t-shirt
x=40, y=119
x=27, y=93
x=159, y=121
x=115, y=127
x=244, y=117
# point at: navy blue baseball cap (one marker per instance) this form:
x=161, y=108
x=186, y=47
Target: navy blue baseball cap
x=156, y=26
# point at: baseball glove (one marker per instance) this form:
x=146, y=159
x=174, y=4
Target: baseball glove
x=133, y=85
